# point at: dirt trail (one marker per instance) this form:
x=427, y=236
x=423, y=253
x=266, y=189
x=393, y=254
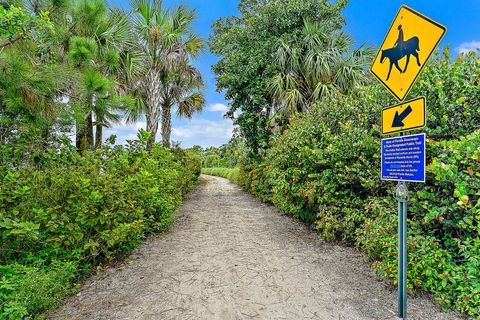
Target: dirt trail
x=229, y=256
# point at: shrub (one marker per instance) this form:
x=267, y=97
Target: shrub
x=66, y=213
x=252, y=177
x=324, y=166
x=228, y=173
x=327, y=173
x=451, y=88
x=26, y=290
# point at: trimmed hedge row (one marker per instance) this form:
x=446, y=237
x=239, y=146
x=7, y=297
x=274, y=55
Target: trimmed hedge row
x=228, y=173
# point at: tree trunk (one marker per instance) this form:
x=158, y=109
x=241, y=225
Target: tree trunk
x=84, y=135
x=98, y=135
x=166, y=125
x=89, y=130
x=152, y=128
x=153, y=106
x=3, y=131
x=6, y=43
x=45, y=136
x=81, y=138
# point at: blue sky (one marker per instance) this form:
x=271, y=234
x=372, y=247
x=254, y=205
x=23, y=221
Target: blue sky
x=367, y=21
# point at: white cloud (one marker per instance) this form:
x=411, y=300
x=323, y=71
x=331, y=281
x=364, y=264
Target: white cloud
x=197, y=131
x=218, y=107
x=124, y=131
x=203, y=132
x=468, y=46
x=135, y=126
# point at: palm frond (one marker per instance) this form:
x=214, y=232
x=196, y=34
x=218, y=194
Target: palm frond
x=190, y=104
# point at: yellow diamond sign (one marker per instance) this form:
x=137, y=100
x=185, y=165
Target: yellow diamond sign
x=408, y=45
x=406, y=116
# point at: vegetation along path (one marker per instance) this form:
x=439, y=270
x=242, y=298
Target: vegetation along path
x=229, y=256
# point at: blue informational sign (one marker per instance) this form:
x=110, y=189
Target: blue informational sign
x=403, y=158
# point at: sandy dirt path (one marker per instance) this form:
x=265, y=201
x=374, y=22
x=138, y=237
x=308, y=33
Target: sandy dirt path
x=229, y=256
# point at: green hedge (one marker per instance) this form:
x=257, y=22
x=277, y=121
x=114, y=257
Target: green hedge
x=65, y=213
x=228, y=173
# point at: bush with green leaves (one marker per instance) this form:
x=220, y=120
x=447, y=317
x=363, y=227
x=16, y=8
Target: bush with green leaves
x=228, y=173
x=325, y=164
x=27, y=290
x=65, y=213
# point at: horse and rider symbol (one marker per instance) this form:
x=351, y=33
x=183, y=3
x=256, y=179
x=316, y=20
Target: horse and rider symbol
x=400, y=50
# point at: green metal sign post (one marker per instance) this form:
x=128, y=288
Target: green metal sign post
x=401, y=193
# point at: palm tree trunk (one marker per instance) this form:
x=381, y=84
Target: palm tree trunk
x=89, y=130
x=152, y=128
x=98, y=135
x=153, y=105
x=45, y=136
x=3, y=131
x=81, y=138
x=166, y=124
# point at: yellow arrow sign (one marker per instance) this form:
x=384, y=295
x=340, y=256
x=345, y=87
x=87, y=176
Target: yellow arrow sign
x=408, y=45
x=403, y=117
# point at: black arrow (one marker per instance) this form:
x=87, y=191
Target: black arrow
x=398, y=119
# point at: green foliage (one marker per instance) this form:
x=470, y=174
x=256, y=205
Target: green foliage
x=317, y=167
x=166, y=45
x=28, y=104
x=231, y=174
x=246, y=45
x=252, y=177
x=67, y=213
x=317, y=64
x=16, y=23
x=191, y=163
x=228, y=155
x=333, y=183
x=26, y=290
x=66, y=68
x=453, y=95
x=211, y=159
x=82, y=49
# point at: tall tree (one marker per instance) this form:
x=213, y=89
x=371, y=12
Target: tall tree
x=99, y=37
x=315, y=65
x=182, y=88
x=165, y=40
x=247, y=45
x=30, y=80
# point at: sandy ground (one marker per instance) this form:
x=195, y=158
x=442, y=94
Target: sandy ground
x=229, y=256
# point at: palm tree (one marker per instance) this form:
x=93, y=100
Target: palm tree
x=166, y=40
x=100, y=38
x=182, y=88
x=316, y=65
